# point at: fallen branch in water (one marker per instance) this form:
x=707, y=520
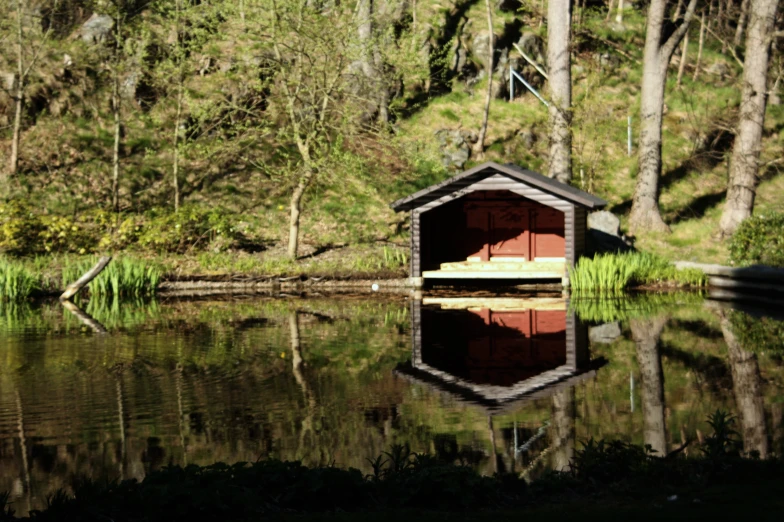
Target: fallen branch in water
x=91, y=274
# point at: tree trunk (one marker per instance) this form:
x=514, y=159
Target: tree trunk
x=646, y=334
x=13, y=165
x=699, y=49
x=562, y=428
x=619, y=15
x=645, y=213
x=296, y=210
x=744, y=165
x=744, y=11
x=684, y=55
x=117, y=129
x=176, y=161
x=677, y=13
x=479, y=147
x=560, y=109
x=609, y=10
x=747, y=387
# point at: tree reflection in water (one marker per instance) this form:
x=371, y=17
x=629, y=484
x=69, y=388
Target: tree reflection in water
x=336, y=380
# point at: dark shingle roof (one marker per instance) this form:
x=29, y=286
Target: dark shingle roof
x=534, y=179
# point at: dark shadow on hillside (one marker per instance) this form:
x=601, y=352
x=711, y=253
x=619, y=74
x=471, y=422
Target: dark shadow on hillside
x=704, y=158
x=441, y=73
x=698, y=206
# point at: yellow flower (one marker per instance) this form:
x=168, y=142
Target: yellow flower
x=280, y=207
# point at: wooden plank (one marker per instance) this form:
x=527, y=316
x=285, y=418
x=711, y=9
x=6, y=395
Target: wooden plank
x=416, y=244
x=484, y=274
x=760, y=273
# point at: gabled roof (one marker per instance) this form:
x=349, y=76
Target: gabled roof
x=534, y=179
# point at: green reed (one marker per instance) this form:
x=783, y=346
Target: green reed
x=17, y=282
x=624, y=307
x=612, y=273
x=124, y=276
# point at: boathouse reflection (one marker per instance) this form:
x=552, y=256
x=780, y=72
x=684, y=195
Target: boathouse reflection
x=496, y=353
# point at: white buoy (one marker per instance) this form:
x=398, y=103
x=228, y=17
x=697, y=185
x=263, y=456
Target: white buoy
x=374, y=287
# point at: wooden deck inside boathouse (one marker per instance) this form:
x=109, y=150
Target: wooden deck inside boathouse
x=497, y=269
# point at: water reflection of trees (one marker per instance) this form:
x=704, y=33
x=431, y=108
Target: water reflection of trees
x=200, y=382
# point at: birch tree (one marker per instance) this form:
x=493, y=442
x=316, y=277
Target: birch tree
x=559, y=20
x=645, y=214
x=479, y=146
x=311, y=89
x=744, y=164
x=30, y=43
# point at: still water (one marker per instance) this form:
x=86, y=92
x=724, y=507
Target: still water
x=502, y=384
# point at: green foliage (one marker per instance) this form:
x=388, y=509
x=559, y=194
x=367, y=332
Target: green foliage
x=193, y=226
x=612, y=273
x=724, y=441
x=16, y=280
x=759, y=240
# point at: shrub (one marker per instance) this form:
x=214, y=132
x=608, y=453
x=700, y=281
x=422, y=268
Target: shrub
x=189, y=228
x=20, y=228
x=759, y=240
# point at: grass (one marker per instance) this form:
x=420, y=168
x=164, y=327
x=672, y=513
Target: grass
x=124, y=277
x=17, y=282
x=613, y=273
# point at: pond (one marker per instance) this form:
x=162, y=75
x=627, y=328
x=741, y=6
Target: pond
x=501, y=384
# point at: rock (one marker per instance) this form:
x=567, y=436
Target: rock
x=606, y=333
x=533, y=46
x=455, y=147
x=67, y=61
x=480, y=48
x=96, y=29
x=527, y=137
x=606, y=222
x=608, y=61
x=8, y=80
x=720, y=69
x=129, y=85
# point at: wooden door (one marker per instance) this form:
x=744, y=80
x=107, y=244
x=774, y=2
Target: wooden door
x=548, y=228
x=510, y=232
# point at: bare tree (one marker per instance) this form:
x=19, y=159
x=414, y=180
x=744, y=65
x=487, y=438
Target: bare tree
x=684, y=55
x=645, y=214
x=479, y=146
x=744, y=165
x=742, y=18
x=311, y=88
x=559, y=21
x=699, y=47
x=25, y=62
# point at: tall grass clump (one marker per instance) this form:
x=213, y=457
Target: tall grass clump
x=123, y=277
x=623, y=307
x=613, y=273
x=17, y=282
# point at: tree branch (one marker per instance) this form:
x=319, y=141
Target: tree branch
x=675, y=38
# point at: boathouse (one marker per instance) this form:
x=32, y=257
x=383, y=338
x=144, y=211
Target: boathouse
x=497, y=222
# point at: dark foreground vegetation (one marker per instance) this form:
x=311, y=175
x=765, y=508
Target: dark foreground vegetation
x=616, y=474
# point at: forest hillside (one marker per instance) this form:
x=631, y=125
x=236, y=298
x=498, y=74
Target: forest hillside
x=198, y=128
